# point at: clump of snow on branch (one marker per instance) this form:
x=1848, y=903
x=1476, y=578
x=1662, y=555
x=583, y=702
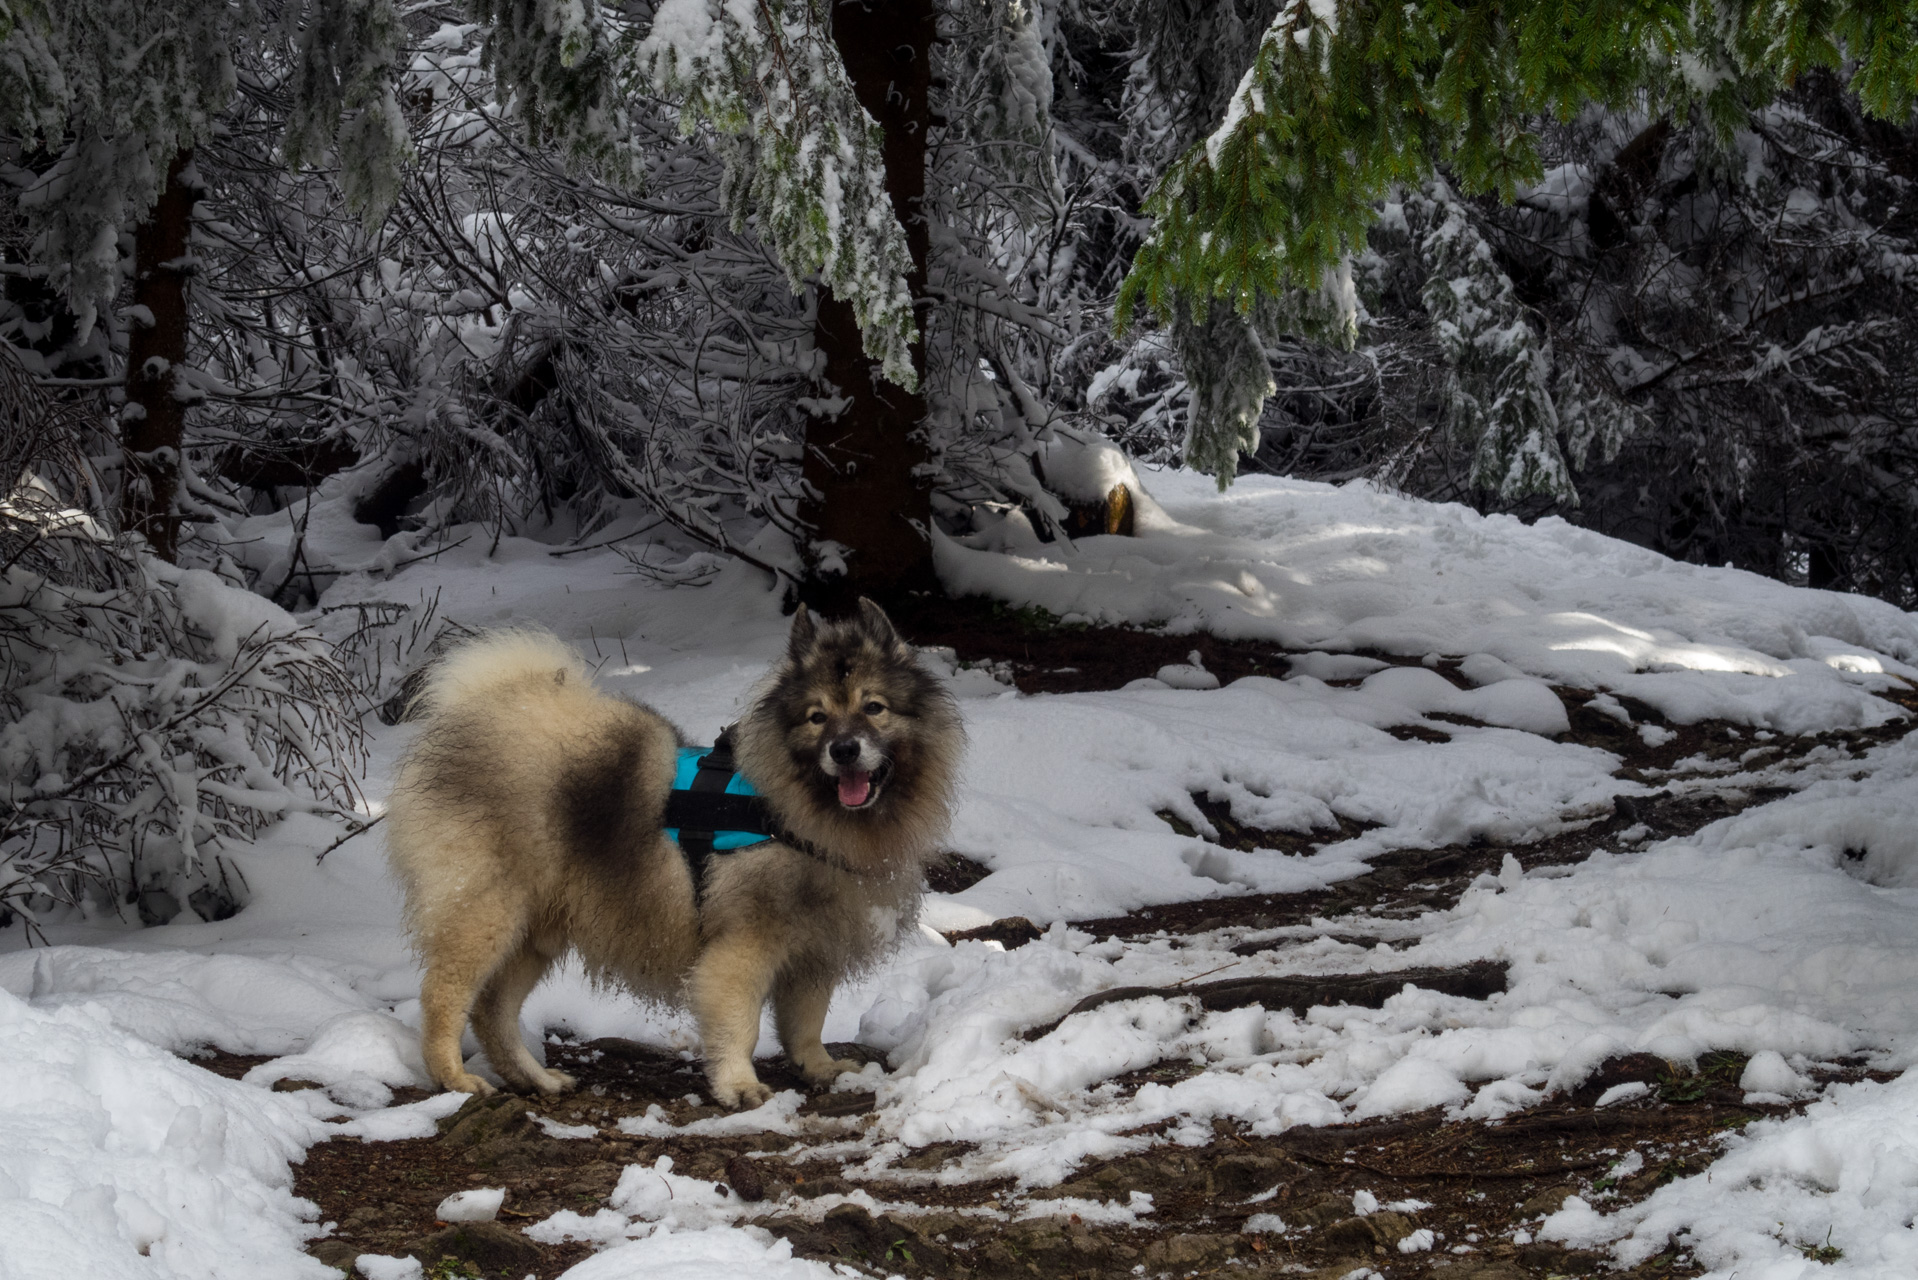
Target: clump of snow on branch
x=115, y=89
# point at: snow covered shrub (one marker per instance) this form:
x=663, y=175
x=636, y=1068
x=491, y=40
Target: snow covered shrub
x=529, y=343
x=149, y=714
x=386, y=647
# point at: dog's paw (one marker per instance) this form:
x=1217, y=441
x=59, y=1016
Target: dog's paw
x=470, y=1083
x=549, y=1081
x=829, y=1070
x=741, y=1096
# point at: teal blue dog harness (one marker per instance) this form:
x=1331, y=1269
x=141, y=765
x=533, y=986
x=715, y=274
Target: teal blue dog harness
x=726, y=814
x=712, y=809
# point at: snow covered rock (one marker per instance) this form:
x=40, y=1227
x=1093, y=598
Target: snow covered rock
x=481, y=1204
x=1768, y=1077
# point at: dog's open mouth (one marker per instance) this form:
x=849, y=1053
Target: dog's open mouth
x=858, y=788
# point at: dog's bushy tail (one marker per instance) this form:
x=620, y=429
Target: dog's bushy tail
x=482, y=668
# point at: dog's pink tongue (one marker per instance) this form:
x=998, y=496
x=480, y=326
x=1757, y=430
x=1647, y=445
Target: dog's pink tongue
x=854, y=788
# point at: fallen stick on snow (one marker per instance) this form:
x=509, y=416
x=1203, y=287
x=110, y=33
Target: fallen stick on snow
x=1473, y=981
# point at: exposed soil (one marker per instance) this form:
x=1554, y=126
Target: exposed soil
x=1477, y=1183
x=1410, y=882
x=1042, y=655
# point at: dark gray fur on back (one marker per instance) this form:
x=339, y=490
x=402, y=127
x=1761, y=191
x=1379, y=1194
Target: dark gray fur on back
x=597, y=802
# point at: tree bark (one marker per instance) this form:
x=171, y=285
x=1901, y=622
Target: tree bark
x=863, y=465
x=153, y=423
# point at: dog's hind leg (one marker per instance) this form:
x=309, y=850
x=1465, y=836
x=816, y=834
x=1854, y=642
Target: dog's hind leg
x=727, y=990
x=496, y=1022
x=469, y=941
x=799, y=1010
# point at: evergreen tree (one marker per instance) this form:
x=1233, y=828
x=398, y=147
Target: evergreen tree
x=1722, y=336
x=1347, y=99
x=827, y=115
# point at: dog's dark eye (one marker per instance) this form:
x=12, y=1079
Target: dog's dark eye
x=874, y=708
x=817, y=717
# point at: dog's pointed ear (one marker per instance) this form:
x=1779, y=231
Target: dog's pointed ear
x=804, y=631
x=877, y=625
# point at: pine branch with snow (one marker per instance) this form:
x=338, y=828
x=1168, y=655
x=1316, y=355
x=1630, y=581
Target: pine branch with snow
x=808, y=163
x=1499, y=369
x=1346, y=99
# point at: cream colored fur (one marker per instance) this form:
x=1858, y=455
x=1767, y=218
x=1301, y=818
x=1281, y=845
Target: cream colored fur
x=500, y=833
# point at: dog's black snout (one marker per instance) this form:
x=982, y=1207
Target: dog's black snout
x=844, y=750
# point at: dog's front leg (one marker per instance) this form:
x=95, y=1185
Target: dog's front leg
x=729, y=986
x=799, y=1010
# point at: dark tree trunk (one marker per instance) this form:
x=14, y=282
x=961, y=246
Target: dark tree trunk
x=154, y=421
x=861, y=465
x=1826, y=565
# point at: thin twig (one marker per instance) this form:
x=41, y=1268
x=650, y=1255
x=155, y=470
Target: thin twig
x=573, y=551
x=354, y=834
x=1208, y=973
x=401, y=564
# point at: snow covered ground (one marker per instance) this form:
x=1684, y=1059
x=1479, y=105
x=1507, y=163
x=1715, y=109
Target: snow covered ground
x=1789, y=931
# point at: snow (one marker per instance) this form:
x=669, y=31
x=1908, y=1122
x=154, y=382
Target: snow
x=701, y=1255
x=1087, y=470
x=1845, y=1174
x=1419, y=1241
x=1769, y=1078
x=1623, y=1093
x=1185, y=675
x=357, y=1055
x=1316, y=566
x=683, y=1227
x=553, y=1129
x=1785, y=932
x=119, y=1159
x=412, y=1120
x=1740, y=938
x=379, y=1267
x=481, y=1204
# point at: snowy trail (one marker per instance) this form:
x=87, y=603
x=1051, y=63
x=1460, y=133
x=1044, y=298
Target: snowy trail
x=1783, y=933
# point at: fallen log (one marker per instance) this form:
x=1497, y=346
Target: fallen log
x=1300, y=992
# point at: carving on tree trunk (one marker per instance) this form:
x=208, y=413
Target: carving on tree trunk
x=864, y=465
x=153, y=424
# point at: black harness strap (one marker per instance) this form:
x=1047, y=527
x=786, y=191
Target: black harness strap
x=709, y=811
x=716, y=769
x=710, y=782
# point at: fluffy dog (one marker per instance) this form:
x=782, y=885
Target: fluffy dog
x=527, y=820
